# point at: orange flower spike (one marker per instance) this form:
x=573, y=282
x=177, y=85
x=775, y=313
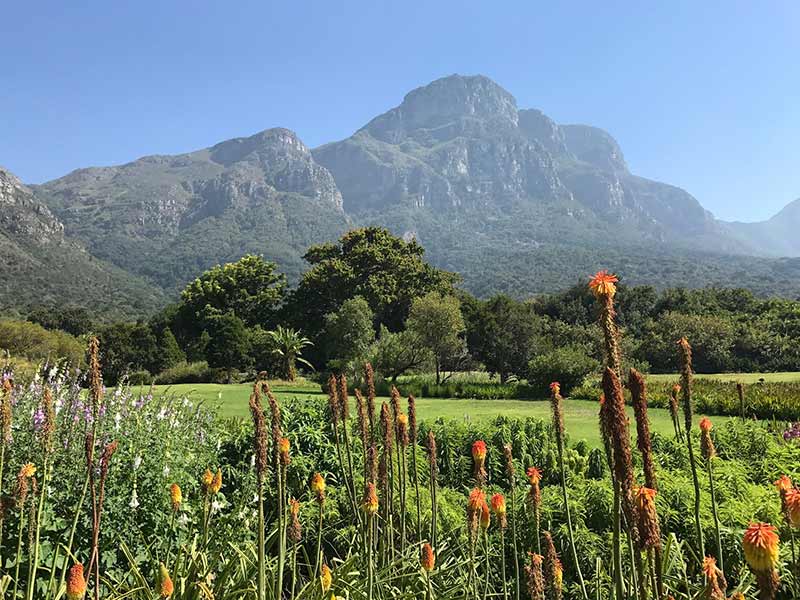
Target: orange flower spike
x=28, y=470
x=603, y=284
x=76, y=583
x=555, y=388
x=176, y=496
x=207, y=480
x=534, y=475
x=486, y=518
x=479, y=451
x=428, y=559
x=760, y=545
x=498, y=504
x=792, y=502
x=705, y=424
x=476, y=499
x=784, y=484
x=165, y=586
x=370, y=499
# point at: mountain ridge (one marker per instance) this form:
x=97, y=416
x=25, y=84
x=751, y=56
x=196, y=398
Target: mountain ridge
x=457, y=165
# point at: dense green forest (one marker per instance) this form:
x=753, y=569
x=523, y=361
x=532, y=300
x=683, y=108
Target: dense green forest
x=372, y=296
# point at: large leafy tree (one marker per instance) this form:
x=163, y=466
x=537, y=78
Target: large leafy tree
x=437, y=320
x=385, y=270
x=251, y=288
x=228, y=344
x=349, y=333
x=503, y=336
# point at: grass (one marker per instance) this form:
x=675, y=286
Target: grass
x=787, y=376
x=580, y=416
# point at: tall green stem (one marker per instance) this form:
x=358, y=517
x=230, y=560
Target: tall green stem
x=696, y=482
x=503, y=563
x=716, y=517
x=72, y=531
x=619, y=586
x=39, y=513
x=569, y=521
x=262, y=561
x=514, y=540
x=318, y=554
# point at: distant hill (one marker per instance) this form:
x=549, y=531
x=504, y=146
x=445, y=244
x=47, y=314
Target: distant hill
x=40, y=266
x=510, y=199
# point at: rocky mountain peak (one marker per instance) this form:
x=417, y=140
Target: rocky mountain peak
x=446, y=102
x=263, y=145
x=595, y=146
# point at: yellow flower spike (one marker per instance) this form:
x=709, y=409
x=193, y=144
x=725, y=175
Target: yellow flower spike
x=216, y=484
x=176, y=496
x=326, y=578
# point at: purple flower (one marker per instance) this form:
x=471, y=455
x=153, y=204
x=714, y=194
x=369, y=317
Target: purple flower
x=38, y=420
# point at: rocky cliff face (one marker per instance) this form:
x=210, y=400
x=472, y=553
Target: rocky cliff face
x=263, y=193
x=460, y=144
x=22, y=215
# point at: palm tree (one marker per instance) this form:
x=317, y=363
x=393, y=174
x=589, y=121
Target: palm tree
x=289, y=344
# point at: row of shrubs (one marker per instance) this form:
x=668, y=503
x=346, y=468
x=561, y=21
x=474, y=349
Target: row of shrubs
x=762, y=400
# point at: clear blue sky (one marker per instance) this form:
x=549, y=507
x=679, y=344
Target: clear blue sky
x=704, y=95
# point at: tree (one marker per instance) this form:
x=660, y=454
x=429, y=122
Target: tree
x=438, y=322
x=394, y=354
x=250, y=288
x=385, y=270
x=502, y=336
x=169, y=353
x=127, y=347
x=349, y=332
x=228, y=343
x=75, y=320
x=288, y=347
x=568, y=365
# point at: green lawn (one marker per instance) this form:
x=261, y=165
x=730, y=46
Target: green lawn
x=580, y=415
x=740, y=377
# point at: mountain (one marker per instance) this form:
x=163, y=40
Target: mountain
x=460, y=146
x=503, y=195
x=519, y=203
x=776, y=236
x=168, y=218
x=43, y=267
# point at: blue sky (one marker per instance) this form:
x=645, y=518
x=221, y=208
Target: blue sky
x=704, y=95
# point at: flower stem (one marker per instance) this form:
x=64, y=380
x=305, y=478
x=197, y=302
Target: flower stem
x=716, y=516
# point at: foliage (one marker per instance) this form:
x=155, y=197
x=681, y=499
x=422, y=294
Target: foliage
x=437, y=321
x=75, y=320
x=395, y=354
x=348, y=334
x=35, y=343
x=503, y=336
x=229, y=344
x=251, y=289
x=370, y=262
x=288, y=346
x=568, y=365
x=196, y=372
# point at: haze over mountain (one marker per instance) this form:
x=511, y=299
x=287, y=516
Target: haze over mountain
x=505, y=196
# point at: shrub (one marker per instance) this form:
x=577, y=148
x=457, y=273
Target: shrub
x=142, y=377
x=196, y=372
x=568, y=365
x=35, y=343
